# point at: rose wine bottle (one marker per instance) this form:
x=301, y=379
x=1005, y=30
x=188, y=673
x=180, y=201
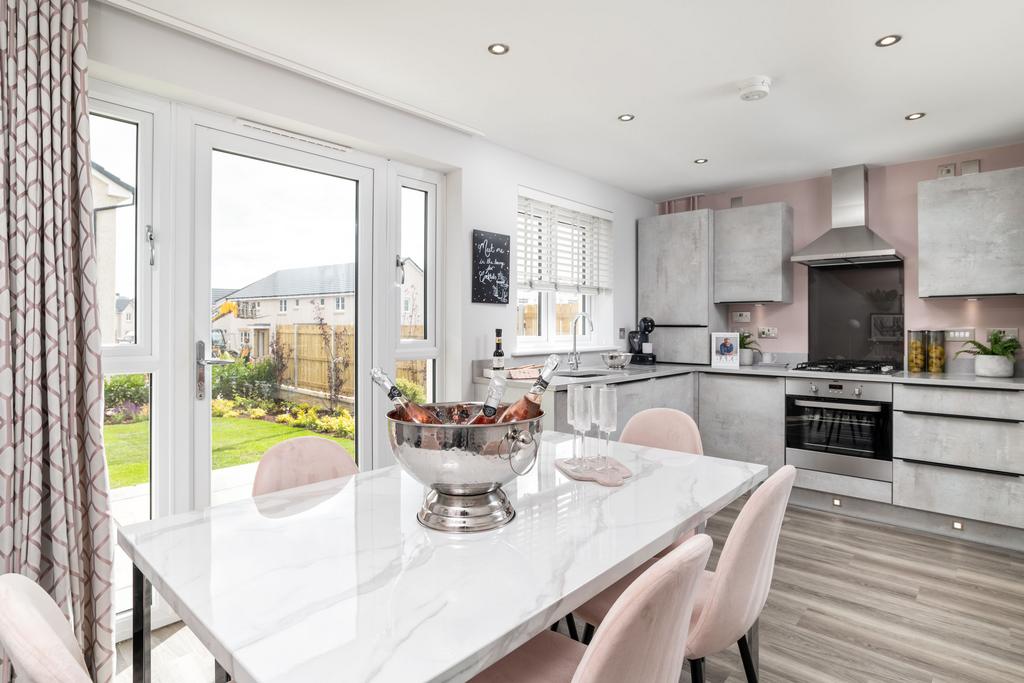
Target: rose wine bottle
x=529, y=406
x=407, y=410
x=495, y=391
x=498, y=359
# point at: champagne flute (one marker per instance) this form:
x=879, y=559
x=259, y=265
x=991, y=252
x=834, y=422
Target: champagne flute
x=570, y=411
x=581, y=419
x=607, y=419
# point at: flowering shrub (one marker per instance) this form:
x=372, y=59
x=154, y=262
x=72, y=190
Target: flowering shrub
x=256, y=413
x=285, y=419
x=222, y=407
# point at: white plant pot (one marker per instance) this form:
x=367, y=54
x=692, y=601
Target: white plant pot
x=746, y=356
x=993, y=366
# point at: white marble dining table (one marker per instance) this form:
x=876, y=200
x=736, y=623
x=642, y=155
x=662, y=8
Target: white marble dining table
x=337, y=581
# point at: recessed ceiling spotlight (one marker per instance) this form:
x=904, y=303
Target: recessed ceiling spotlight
x=915, y=116
x=498, y=49
x=627, y=117
x=887, y=41
x=702, y=160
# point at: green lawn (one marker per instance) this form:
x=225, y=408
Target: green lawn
x=236, y=441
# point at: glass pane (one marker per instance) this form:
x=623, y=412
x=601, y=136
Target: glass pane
x=283, y=241
x=126, y=441
x=114, y=150
x=416, y=379
x=567, y=306
x=413, y=252
x=528, y=313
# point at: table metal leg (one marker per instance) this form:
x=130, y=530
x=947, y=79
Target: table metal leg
x=142, y=600
x=219, y=674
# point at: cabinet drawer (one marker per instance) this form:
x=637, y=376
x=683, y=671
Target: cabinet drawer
x=854, y=487
x=981, y=444
x=993, y=498
x=992, y=403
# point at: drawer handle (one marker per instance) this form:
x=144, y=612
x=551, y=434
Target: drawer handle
x=960, y=467
x=1008, y=420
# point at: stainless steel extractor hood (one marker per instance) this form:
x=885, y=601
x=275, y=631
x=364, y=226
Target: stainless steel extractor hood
x=849, y=241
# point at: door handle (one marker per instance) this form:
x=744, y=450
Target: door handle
x=201, y=362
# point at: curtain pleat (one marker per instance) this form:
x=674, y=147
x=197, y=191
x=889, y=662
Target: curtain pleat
x=55, y=524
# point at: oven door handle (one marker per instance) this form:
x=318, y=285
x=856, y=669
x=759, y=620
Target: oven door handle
x=854, y=407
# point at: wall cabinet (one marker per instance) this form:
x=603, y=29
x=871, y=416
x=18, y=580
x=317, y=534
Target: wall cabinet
x=743, y=418
x=677, y=391
x=970, y=234
x=675, y=262
x=753, y=245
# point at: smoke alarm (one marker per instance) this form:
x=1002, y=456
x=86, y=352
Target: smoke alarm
x=755, y=88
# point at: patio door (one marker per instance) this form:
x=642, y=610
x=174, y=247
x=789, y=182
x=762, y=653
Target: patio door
x=281, y=303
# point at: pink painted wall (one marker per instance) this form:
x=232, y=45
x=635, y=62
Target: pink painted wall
x=892, y=213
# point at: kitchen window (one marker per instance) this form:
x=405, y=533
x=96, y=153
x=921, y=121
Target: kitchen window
x=563, y=268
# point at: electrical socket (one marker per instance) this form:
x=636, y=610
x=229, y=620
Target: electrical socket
x=741, y=316
x=767, y=333
x=946, y=170
x=1009, y=332
x=961, y=334
x=622, y=333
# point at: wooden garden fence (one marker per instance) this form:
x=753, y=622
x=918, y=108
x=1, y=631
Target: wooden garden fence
x=308, y=351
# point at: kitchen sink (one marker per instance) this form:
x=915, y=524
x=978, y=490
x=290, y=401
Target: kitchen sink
x=583, y=373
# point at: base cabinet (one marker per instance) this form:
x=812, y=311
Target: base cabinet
x=743, y=418
x=985, y=496
x=677, y=391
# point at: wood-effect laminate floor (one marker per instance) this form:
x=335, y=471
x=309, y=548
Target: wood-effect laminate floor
x=851, y=601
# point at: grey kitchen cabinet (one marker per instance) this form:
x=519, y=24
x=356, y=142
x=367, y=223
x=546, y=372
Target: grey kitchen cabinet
x=984, y=403
x=676, y=391
x=743, y=418
x=985, y=496
x=675, y=263
x=983, y=444
x=970, y=234
x=752, y=249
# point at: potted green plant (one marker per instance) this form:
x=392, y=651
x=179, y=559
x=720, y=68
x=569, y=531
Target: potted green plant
x=747, y=347
x=996, y=359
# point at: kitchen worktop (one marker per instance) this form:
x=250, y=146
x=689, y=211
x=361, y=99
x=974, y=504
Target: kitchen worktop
x=638, y=372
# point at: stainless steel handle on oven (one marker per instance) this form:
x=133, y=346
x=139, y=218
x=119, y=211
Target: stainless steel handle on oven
x=854, y=407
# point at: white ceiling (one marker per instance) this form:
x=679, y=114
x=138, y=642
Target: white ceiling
x=574, y=65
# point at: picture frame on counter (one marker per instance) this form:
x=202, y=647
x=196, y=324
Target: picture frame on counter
x=725, y=350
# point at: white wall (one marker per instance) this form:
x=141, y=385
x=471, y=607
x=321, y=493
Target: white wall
x=482, y=177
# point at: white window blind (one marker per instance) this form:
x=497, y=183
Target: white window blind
x=562, y=247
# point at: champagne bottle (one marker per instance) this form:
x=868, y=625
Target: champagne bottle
x=529, y=406
x=498, y=358
x=495, y=391
x=407, y=410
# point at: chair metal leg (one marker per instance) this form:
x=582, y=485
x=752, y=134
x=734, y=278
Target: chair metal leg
x=588, y=634
x=697, y=670
x=554, y=626
x=219, y=673
x=142, y=599
x=748, y=661
x=571, y=624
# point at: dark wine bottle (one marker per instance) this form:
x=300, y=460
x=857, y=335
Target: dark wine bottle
x=529, y=406
x=498, y=358
x=407, y=410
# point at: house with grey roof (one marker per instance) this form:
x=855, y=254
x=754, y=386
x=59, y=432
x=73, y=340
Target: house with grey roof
x=111, y=198
x=302, y=296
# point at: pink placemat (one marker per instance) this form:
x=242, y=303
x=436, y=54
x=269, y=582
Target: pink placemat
x=613, y=475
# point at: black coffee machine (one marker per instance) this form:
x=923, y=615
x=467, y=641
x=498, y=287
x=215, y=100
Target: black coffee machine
x=637, y=338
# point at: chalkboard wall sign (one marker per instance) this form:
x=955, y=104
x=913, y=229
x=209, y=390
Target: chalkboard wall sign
x=491, y=253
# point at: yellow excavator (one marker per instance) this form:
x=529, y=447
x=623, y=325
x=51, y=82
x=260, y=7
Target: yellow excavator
x=218, y=340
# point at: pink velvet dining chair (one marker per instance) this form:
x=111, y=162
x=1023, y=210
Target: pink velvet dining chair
x=666, y=428
x=729, y=599
x=36, y=635
x=300, y=461
x=642, y=639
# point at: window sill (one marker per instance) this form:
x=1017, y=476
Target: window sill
x=540, y=350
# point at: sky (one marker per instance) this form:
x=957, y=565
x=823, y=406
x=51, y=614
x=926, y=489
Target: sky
x=264, y=216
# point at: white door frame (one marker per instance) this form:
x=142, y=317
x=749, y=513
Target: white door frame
x=205, y=132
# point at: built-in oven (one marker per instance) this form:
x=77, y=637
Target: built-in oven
x=842, y=426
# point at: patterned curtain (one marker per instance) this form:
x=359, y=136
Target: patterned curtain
x=55, y=524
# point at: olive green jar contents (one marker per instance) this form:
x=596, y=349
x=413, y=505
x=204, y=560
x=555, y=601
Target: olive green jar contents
x=936, y=351
x=916, y=351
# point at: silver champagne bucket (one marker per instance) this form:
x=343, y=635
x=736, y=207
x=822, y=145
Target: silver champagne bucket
x=464, y=466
